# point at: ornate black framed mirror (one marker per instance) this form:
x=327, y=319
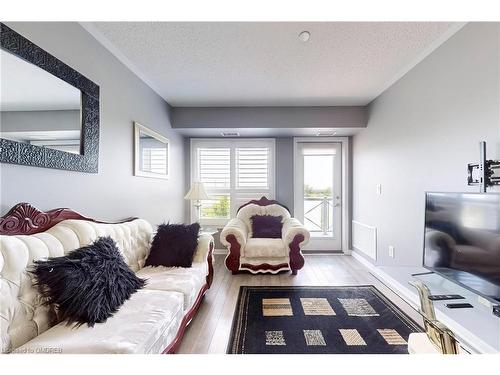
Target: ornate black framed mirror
x=49, y=111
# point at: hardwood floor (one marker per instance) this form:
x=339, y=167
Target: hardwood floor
x=210, y=329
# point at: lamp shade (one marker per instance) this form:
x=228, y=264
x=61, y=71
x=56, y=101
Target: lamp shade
x=197, y=192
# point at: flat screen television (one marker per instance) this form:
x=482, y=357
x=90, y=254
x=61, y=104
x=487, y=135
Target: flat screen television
x=462, y=240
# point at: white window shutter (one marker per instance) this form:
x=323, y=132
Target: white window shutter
x=252, y=168
x=214, y=167
x=233, y=172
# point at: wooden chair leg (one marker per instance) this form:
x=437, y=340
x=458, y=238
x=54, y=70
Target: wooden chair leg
x=296, y=258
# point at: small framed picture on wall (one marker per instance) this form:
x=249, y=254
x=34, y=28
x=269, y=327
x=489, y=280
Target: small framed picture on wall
x=151, y=153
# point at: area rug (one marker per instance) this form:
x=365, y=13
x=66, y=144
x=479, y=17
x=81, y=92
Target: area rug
x=322, y=320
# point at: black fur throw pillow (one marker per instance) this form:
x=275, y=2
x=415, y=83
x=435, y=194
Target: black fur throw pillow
x=89, y=284
x=174, y=245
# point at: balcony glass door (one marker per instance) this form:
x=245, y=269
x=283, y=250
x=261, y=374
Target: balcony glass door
x=318, y=193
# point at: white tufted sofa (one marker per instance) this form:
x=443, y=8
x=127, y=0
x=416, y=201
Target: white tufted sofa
x=151, y=321
x=258, y=255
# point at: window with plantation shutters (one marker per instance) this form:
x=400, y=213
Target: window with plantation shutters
x=214, y=167
x=252, y=167
x=232, y=172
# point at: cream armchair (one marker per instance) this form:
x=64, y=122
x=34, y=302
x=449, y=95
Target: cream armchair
x=249, y=253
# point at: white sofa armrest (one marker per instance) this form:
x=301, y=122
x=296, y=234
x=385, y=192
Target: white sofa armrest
x=237, y=228
x=291, y=228
x=205, y=241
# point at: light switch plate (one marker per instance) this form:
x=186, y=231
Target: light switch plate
x=391, y=251
x=379, y=189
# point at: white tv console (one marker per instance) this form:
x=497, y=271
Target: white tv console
x=477, y=329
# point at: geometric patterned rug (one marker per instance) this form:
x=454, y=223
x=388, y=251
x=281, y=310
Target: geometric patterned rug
x=318, y=320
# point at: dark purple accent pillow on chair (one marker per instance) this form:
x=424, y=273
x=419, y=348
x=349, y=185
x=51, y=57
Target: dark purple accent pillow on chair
x=174, y=245
x=266, y=226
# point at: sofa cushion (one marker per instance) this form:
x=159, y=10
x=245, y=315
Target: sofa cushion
x=174, y=245
x=266, y=226
x=187, y=281
x=146, y=323
x=265, y=247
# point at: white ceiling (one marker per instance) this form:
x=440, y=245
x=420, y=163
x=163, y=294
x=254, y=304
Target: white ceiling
x=265, y=64
x=26, y=87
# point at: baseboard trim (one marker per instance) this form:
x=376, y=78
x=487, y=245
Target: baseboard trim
x=322, y=252
x=365, y=262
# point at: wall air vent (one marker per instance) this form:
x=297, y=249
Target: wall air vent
x=326, y=133
x=230, y=134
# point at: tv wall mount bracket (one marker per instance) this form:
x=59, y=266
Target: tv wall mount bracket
x=482, y=174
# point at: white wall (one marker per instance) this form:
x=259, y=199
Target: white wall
x=114, y=192
x=421, y=134
x=284, y=172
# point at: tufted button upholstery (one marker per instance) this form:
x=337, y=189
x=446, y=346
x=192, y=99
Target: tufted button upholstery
x=22, y=315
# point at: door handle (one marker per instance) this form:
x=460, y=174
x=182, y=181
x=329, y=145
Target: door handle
x=338, y=202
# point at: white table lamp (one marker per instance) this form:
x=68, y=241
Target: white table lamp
x=197, y=193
